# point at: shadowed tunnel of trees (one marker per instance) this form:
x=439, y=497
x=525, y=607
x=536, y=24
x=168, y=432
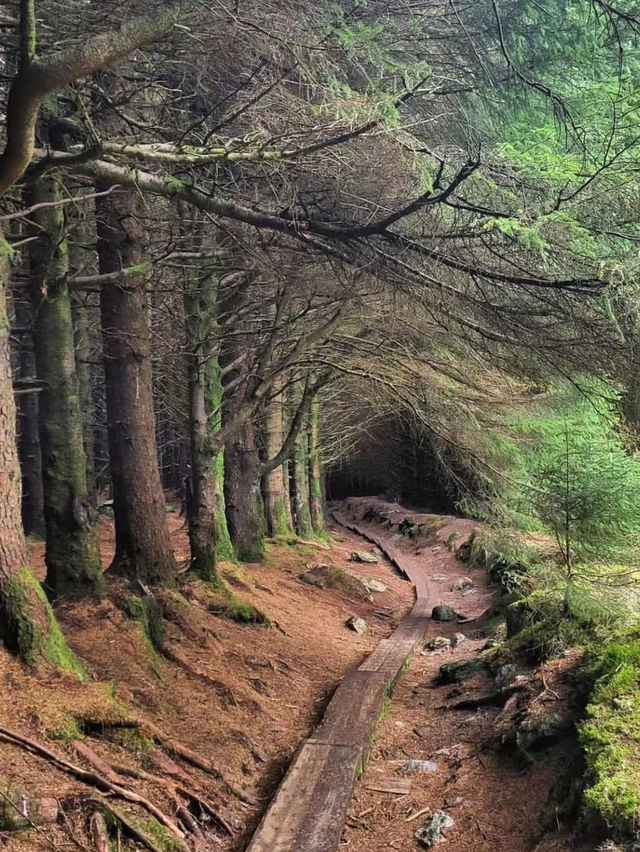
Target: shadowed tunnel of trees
x=394, y=459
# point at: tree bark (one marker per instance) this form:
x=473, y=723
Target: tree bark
x=243, y=500
x=205, y=507
x=275, y=482
x=27, y=624
x=143, y=546
x=245, y=516
x=300, y=482
x=28, y=433
x=72, y=549
x=316, y=497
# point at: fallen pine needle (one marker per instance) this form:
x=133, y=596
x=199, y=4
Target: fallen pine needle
x=419, y=813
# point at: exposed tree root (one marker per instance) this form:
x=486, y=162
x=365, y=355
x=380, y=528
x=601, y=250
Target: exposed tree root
x=174, y=747
x=93, y=779
x=99, y=834
x=133, y=831
x=498, y=698
x=174, y=789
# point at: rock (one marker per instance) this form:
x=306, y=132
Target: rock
x=439, y=578
x=311, y=580
x=363, y=556
x=461, y=584
x=454, y=803
x=443, y=612
x=420, y=766
x=358, y=625
x=373, y=585
x=438, y=642
x=461, y=670
x=505, y=675
x=19, y=810
x=539, y=731
x=432, y=829
x=491, y=643
x=457, y=638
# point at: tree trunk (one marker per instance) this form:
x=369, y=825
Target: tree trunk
x=82, y=235
x=275, y=482
x=300, y=481
x=72, y=549
x=243, y=500
x=316, y=498
x=27, y=624
x=245, y=516
x=143, y=546
x=207, y=527
x=28, y=434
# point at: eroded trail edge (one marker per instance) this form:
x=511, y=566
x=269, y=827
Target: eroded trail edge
x=308, y=810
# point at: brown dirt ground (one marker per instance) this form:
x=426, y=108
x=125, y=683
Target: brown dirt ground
x=500, y=797
x=249, y=696
x=244, y=697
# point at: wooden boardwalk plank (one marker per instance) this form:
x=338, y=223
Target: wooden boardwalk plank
x=308, y=811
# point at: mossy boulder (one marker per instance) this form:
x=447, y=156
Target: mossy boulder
x=443, y=612
x=461, y=670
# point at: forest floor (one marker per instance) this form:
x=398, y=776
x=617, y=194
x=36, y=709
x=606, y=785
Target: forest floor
x=223, y=709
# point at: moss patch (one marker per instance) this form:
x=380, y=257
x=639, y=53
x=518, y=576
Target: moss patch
x=27, y=637
x=226, y=603
x=610, y=737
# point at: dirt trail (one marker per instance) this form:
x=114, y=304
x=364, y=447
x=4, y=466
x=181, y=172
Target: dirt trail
x=496, y=802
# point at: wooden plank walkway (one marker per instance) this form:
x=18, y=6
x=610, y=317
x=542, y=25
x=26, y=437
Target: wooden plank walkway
x=308, y=810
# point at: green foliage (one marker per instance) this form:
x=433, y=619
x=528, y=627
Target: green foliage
x=610, y=736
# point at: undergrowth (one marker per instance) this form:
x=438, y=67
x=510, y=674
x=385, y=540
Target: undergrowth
x=610, y=736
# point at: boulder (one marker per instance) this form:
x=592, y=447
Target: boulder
x=460, y=670
x=363, y=556
x=461, y=584
x=358, y=625
x=373, y=585
x=19, y=810
x=443, y=612
x=540, y=731
x=431, y=831
x=311, y=579
x=438, y=642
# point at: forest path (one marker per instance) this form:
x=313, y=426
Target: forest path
x=308, y=811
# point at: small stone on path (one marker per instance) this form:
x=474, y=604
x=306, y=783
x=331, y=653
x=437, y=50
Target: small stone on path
x=438, y=642
x=420, y=766
x=374, y=585
x=432, y=829
x=358, y=625
x=461, y=584
x=457, y=638
x=443, y=612
x=363, y=556
x=439, y=578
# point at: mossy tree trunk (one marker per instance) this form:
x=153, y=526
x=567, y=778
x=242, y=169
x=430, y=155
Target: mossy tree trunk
x=72, y=549
x=242, y=495
x=143, y=547
x=316, y=496
x=275, y=483
x=243, y=500
x=28, y=433
x=28, y=626
x=300, y=485
x=83, y=235
x=205, y=508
